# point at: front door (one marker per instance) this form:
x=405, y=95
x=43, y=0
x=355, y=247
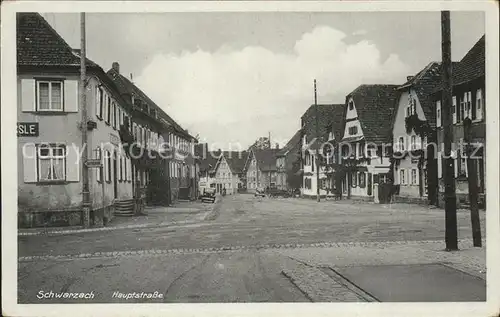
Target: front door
x=115, y=180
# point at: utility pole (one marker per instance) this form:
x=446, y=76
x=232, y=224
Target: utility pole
x=83, y=105
x=450, y=201
x=317, y=141
x=473, y=190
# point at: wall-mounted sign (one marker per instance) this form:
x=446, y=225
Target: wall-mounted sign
x=27, y=129
x=93, y=163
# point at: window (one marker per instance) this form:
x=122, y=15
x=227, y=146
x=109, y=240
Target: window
x=414, y=176
x=413, y=142
x=107, y=158
x=354, y=179
x=401, y=144
x=50, y=95
x=108, y=110
x=402, y=174
x=469, y=105
x=113, y=115
x=463, y=165
x=353, y=130
x=438, y=113
x=479, y=105
x=120, y=168
x=362, y=180
x=461, y=113
x=454, y=109
x=51, y=163
x=351, y=105
x=99, y=102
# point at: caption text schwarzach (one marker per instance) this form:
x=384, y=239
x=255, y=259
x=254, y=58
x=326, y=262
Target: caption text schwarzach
x=91, y=295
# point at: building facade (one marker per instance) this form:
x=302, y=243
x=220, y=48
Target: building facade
x=260, y=169
x=366, y=143
x=411, y=173
x=229, y=172
x=468, y=103
x=49, y=134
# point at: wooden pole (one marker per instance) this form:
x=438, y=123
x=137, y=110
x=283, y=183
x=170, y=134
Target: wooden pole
x=83, y=105
x=451, y=235
x=317, y=142
x=473, y=188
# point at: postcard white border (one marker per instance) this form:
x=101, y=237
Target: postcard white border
x=9, y=165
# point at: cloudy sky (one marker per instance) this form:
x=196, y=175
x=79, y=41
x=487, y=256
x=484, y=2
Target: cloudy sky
x=232, y=77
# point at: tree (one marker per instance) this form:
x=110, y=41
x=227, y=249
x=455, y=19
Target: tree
x=261, y=143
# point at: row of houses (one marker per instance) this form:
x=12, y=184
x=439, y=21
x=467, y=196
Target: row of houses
x=394, y=134
x=143, y=152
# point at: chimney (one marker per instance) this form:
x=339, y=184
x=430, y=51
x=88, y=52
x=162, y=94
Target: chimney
x=408, y=78
x=116, y=67
x=277, y=146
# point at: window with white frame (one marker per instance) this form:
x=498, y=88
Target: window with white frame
x=99, y=102
x=401, y=144
x=479, y=105
x=413, y=142
x=438, y=113
x=50, y=95
x=108, y=110
x=51, y=162
x=402, y=176
x=414, y=176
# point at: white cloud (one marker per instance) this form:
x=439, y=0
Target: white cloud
x=238, y=95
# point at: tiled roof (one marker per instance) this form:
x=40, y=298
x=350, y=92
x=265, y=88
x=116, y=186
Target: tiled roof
x=127, y=87
x=266, y=159
x=236, y=160
x=470, y=67
x=424, y=83
x=472, y=64
x=293, y=143
x=329, y=116
x=38, y=44
x=375, y=105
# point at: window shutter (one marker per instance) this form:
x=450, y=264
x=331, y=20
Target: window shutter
x=97, y=98
x=466, y=167
x=28, y=102
x=455, y=167
x=417, y=177
x=71, y=95
x=72, y=163
x=438, y=114
x=440, y=165
x=479, y=105
x=454, y=109
x=29, y=162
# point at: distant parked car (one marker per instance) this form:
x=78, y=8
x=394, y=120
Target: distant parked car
x=260, y=192
x=208, y=195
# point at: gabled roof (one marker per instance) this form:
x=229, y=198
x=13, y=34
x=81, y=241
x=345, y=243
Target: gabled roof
x=266, y=159
x=375, y=106
x=125, y=86
x=38, y=44
x=472, y=64
x=329, y=116
x=424, y=83
x=235, y=159
x=293, y=143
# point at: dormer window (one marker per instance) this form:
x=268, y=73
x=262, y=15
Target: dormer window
x=153, y=113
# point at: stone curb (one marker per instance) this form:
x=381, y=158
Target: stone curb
x=152, y=252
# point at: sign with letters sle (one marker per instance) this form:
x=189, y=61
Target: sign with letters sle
x=27, y=129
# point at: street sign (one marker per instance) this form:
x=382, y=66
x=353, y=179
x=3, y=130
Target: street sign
x=93, y=163
x=27, y=129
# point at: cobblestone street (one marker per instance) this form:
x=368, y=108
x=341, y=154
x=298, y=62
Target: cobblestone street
x=250, y=249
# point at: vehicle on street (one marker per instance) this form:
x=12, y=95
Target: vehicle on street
x=208, y=195
x=260, y=192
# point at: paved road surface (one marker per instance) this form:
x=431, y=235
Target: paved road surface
x=196, y=273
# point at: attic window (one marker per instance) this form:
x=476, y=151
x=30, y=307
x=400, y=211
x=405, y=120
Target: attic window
x=153, y=113
x=351, y=105
x=353, y=130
